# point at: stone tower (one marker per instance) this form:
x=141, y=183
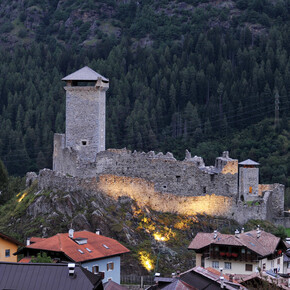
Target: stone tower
x=248, y=180
x=85, y=119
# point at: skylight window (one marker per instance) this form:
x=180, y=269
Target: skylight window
x=81, y=241
x=105, y=246
x=80, y=251
x=88, y=250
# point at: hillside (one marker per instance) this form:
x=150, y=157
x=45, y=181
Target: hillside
x=201, y=75
x=87, y=23
x=147, y=233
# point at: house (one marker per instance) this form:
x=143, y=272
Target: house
x=111, y=285
x=242, y=253
x=264, y=280
x=92, y=251
x=8, y=246
x=197, y=278
x=35, y=276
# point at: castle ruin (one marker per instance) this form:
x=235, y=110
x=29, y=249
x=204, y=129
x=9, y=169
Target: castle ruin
x=81, y=162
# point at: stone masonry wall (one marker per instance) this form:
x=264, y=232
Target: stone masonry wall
x=186, y=177
x=167, y=174
x=140, y=190
x=85, y=119
x=163, y=183
x=144, y=193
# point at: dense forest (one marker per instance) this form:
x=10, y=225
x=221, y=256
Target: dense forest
x=206, y=76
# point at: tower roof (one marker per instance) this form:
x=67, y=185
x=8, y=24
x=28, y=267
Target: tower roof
x=249, y=162
x=84, y=74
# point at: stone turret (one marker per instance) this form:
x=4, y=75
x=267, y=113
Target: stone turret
x=85, y=118
x=248, y=180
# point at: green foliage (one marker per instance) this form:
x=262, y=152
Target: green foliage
x=278, y=231
x=41, y=258
x=6, y=27
x=3, y=177
x=178, y=80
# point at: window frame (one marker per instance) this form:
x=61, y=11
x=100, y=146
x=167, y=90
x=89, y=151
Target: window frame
x=7, y=253
x=228, y=265
x=215, y=264
x=110, y=266
x=249, y=266
x=98, y=268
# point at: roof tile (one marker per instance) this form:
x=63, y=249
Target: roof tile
x=63, y=243
x=265, y=245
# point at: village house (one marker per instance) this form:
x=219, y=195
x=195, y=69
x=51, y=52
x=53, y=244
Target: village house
x=8, y=246
x=35, y=276
x=242, y=253
x=92, y=251
x=197, y=278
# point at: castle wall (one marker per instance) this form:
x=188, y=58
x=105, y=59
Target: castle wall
x=167, y=174
x=145, y=194
x=64, y=159
x=140, y=190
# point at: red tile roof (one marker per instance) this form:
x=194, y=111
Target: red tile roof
x=265, y=245
x=25, y=260
x=36, y=239
x=97, y=246
x=218, y=273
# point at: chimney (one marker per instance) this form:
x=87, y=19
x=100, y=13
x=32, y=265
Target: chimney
x=242, y=230
x=222, y=282
x=28, y=242
x=258, y=232
x=237, y=233
x=71, y=269
x=226, y=154
x=71, y=233
x=98, y=231
x=215, y=234
x=231, y=278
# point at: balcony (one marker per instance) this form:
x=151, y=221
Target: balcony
x=234, y=256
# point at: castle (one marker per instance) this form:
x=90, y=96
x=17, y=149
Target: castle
x=81, y=162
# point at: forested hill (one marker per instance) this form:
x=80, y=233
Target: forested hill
x=201, y=75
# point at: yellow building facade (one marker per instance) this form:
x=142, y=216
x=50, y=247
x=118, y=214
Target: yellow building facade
x=8, y=246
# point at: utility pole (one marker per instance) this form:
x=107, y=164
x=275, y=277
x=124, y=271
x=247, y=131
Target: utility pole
x=277, y=102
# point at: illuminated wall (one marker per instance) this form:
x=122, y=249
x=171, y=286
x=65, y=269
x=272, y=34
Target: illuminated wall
x=231, y=167
x=143, y=192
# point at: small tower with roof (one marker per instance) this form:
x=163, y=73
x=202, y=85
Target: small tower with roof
x=248, y=180
x=85, y=118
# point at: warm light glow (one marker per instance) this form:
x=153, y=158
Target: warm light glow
x=145, y=260
x=158, y=237
x=145, y=195
x=22, y=196
x=164, y=235
x=181, y=225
